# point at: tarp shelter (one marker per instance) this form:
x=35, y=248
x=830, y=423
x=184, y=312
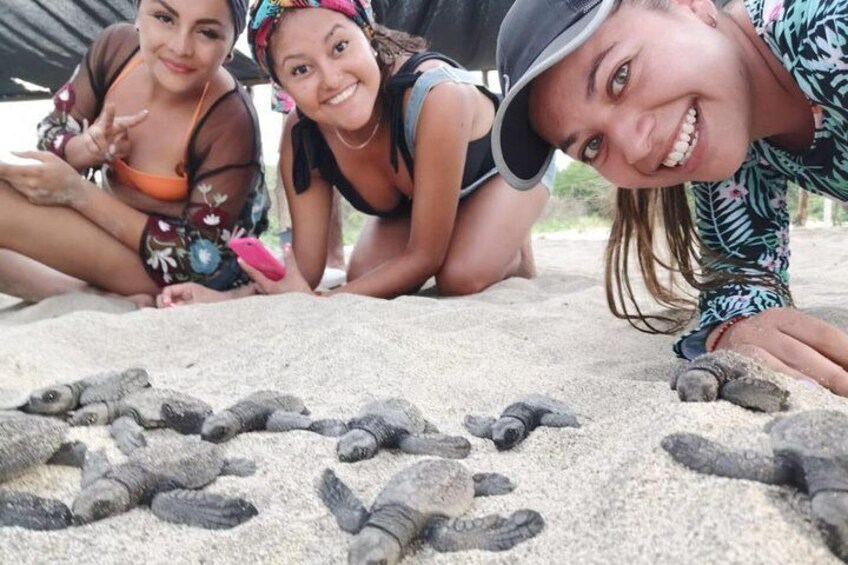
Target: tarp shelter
x=41, y=41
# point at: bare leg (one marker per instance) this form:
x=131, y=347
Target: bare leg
x=380, y=240
x=335, y=245
x=66, y=241
x=491, y=239
x=30, y=280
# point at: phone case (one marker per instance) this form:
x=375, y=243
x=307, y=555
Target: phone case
x=255, y=254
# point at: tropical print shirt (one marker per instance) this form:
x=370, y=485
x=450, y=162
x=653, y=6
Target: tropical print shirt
x=223, y=164
x=745, y=217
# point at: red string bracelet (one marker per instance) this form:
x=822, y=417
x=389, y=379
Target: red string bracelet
x=723, y=329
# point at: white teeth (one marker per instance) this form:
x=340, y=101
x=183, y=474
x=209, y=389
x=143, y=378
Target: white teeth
x=687, y=139
x=343, y=95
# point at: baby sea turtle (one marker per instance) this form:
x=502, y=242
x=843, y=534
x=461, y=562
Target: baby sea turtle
x=249, y=415
x=166, y=476
x=27, y=441
x=519, y=419
x=732, y=377
x=388, y=423
x=150, y=408
x=809, y=451
x=62, y=398
x=425, y=501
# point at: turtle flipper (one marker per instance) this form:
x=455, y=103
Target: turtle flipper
x=755, y=394
x=479, y=426
x=238, y=467
x=329, y=427
x=284, y=421
x=95, y=466
x=491, y=533
x=70, y=454
x=830, y=511
x=559, y=420
x=202, y=509
x=439, y=445
x=430, y=427
x=491, y=484
x=709, y=457
x=33, y=512
x=348, y=510
x=129, y=436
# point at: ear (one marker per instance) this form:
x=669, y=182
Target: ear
x=705, y=10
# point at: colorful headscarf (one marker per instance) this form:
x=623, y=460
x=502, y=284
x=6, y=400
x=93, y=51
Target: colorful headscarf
x=264, y=16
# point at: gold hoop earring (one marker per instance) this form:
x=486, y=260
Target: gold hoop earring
x=231, y=56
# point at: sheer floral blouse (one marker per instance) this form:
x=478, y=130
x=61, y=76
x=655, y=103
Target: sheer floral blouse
x=227, y=196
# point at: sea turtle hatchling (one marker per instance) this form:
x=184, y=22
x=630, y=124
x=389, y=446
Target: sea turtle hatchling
x=386, y=423
x=519, y=419
x=149, y=408
x=25, y=442
x=425, y=501
x=249, y=414
x=732, y=377
x=110, y=386
x=809, y=451
x=166, y=476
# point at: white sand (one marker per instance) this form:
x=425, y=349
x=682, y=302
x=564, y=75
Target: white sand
x=608, y=492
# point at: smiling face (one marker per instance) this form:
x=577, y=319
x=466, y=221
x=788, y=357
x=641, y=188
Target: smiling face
x=325, y=62
x=653, y=98
x=184, y=42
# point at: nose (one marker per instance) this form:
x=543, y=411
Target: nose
x=181, y=43
x=631, y=131
x=332, y=77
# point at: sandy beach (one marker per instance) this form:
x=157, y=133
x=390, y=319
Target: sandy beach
x=607, y=491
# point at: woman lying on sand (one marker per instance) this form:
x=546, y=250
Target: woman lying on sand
x=656, y=93
x=404, y=134
x=180, y=144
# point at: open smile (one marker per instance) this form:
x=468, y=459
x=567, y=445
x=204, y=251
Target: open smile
x=684, y=144
x=343, y=95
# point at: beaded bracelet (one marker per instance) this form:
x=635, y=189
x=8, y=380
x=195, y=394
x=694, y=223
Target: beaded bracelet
x=723, y=329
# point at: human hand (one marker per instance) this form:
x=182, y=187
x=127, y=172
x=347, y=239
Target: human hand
x=188, y=293
x=793, y=343
x=108, y=137
x=48, y=181
x=292, y=282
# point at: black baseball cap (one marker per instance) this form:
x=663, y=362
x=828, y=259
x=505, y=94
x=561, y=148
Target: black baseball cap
x=534, y=36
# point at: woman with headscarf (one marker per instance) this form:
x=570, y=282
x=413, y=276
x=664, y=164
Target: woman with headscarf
x=404, y=135
x=178, y=143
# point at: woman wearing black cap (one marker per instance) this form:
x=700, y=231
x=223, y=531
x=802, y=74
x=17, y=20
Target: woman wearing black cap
x=179, y=144
x=657, y=93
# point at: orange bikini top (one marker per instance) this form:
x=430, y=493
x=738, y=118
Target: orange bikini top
x=170, y=189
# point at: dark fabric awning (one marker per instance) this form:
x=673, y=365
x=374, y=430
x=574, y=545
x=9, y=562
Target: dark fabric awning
x=42, y=41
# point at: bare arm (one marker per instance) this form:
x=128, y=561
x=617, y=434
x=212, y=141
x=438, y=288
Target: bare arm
x=444, y=129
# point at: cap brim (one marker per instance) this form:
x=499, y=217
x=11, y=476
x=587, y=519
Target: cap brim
x=522, y=157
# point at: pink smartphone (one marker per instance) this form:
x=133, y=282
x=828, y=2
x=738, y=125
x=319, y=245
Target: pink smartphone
x=257, y=256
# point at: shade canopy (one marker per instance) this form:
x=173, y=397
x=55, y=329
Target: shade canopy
x=42, y=41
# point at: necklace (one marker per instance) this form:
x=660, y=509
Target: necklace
x=367, y=141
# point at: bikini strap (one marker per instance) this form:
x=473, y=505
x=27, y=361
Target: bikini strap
x=190, y=130
x=128, y=68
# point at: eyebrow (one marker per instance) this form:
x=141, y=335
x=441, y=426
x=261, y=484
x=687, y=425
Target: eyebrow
x=301, y=55
x=591, y=76
x=204, y=21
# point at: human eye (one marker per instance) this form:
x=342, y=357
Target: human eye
x=341, y=46
x=619, y=80
x=164, y=17
x=591, y=150
x=210, y=34
x=299, y=70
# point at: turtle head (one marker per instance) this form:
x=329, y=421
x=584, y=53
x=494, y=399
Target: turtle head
x=508, y=432
x=51, y=400
x=92, y=415
x=374, y=547
x=101, y=499
x=219, y=428
x=356, y=445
